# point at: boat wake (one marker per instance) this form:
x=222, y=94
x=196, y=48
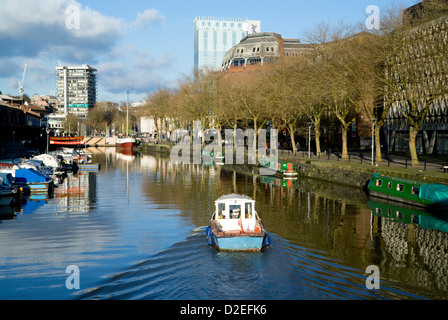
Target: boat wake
x=190, y=270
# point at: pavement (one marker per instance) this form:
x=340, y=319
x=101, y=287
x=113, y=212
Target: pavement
x=427, y=163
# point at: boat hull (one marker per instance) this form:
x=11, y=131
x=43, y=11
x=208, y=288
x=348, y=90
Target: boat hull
x=67, y=141
x=125, y=143
x=238, y=243
x=39, y=187
x=6, y=198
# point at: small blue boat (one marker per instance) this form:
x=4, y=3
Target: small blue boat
x=235, y=225
x=34, y=180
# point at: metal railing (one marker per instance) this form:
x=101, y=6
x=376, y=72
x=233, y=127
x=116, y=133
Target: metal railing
x=364, y=157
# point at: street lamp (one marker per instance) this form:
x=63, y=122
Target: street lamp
x=373, y=142
x=310, y=125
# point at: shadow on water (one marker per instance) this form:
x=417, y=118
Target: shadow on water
x=143, y=208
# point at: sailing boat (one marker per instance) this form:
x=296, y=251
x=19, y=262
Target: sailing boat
x=127, y=142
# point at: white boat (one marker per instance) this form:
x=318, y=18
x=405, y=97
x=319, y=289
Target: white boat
x=7, y=195
x=235, y=225
x=49, y=160
x=127, y=143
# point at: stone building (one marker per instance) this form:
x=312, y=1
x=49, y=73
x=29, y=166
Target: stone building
x=258, y=49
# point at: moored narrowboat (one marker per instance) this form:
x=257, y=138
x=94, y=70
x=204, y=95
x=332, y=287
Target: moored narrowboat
x=284, y=169
x=430, y=196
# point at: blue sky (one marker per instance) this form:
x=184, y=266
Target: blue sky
x=137, y=44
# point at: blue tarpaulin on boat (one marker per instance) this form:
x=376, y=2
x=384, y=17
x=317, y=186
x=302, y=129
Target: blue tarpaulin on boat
x=436, y=193
x=30, y=175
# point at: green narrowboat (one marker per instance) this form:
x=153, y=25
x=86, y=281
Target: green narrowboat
x=283, y=168
x=413, y=192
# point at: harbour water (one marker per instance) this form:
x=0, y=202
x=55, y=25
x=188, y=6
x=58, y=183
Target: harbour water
x=136, y=230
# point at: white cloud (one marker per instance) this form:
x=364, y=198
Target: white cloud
x=31, y=28
x=147, y=19
x=139, y=73
x=41, y=32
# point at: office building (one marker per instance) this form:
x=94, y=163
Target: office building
x=213, y=37
x=76, y=89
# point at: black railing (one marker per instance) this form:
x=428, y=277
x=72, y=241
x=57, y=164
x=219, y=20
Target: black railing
x=363, y=157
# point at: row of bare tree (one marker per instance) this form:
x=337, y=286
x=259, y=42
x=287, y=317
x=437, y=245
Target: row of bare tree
x=351, y=72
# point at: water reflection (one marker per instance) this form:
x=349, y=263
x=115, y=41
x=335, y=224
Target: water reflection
x=134, y=229
x=413, y=243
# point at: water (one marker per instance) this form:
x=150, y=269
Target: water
x=135, y=230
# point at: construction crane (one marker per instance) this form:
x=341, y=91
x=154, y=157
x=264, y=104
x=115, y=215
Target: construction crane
x=21, y=82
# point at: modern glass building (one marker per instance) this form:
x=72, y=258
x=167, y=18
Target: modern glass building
x=76, y=89
x=213, y=37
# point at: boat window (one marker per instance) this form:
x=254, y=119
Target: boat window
x=379, y=211
x=248, y=210
x=221, y=211
x=415, y=190
x=415, y=219
x=379, y=183
x=400, y=187
x=399, y=215
x=235, y=211
x=390, y=184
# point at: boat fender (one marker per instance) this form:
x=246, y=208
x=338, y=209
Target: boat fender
x=208, y=233
x=267, y=240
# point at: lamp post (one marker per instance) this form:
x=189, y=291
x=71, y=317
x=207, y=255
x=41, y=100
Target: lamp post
x=309, y=124
x=373, y=142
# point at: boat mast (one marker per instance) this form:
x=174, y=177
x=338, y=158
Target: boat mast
x=127, y=115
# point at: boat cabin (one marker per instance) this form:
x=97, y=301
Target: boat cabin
x=236, y=212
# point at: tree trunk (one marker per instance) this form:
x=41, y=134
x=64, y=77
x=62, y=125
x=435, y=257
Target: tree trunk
x=412, y=148
x=293, y=140
x=344, y=142
x=255, y=134
x=317, y=133
x=379, y=158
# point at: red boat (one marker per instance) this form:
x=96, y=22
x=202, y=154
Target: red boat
x=67, y=141
x=125, y=143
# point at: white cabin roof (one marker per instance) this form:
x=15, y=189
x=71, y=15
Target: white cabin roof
x=234, y=197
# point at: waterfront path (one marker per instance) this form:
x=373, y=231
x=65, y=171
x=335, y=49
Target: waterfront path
x=430, y=168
